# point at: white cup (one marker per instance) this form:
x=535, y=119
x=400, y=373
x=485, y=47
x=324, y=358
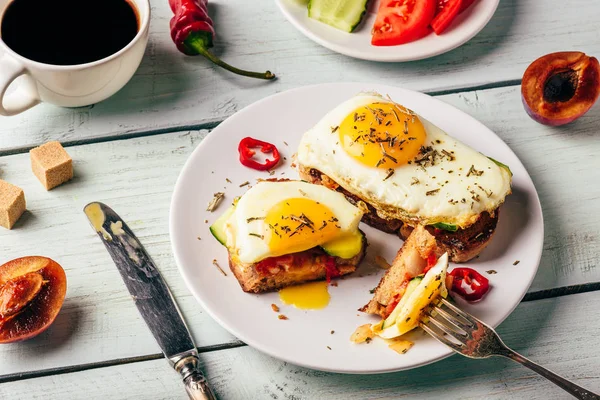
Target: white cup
x=69, y=85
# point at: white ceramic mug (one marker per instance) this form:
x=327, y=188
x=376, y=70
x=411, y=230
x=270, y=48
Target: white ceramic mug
x=69, y=85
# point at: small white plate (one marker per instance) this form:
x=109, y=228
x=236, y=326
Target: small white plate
x=358, y=43
x=303, y=339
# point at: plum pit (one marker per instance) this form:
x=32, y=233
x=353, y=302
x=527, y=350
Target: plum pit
x=560, y=87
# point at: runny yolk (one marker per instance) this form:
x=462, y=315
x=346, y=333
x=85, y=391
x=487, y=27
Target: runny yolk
x=309, y=296
x=299, y=224
x=382, y=135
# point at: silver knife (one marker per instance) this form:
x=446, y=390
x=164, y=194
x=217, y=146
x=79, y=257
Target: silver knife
x=152, y=298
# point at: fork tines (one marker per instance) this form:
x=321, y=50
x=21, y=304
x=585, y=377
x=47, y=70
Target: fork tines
x=454, y=324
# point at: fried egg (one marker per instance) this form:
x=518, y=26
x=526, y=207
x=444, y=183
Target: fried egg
x=402, y=164
x=277, y=218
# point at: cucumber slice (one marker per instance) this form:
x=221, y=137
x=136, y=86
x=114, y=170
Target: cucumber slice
x=498, y=163
x=412, y=285
x=345, y=247
x=344, y=15
x=446, y=227
x=218, y=227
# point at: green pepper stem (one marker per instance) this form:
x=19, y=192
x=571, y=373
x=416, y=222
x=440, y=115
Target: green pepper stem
x=198, y=44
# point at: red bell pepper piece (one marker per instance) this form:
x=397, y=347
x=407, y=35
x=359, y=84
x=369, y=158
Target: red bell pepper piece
x=246, y=153
x=193, y=33
x=469, y=284
x=331, y=269
x=431, y=261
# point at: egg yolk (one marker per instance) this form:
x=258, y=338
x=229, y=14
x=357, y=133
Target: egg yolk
x=382, y=135
x=299, y=224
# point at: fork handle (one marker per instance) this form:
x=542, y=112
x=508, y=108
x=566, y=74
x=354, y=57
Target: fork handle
x=564, y=384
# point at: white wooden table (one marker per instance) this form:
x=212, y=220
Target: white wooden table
x=129, y=150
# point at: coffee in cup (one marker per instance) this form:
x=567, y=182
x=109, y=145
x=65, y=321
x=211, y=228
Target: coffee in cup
x=68, y=52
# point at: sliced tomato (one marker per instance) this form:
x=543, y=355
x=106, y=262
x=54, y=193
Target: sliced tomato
x=447, y=10
x=466, y=4
x=402, y=21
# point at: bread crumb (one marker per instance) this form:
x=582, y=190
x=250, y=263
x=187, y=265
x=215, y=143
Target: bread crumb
x=334, y=284
x=332, y=332
x=516, y=262
x=283, y=317
x=51, y=164
x=274, y=307
x=491, y=271
x=329, y=347
x=382, y=262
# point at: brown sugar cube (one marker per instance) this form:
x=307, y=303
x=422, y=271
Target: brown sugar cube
x=12, y=204
x=51, y=164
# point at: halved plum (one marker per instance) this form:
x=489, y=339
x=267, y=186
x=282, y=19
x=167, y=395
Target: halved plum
x=32, y=291
x=560, y=87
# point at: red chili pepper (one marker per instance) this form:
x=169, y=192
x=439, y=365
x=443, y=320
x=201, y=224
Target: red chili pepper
x=246, y=153
x=469, y=284
x=192, y=31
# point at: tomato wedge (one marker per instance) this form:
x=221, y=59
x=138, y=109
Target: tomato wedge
x=447, y=10
x=466, y=4
x=402, y=21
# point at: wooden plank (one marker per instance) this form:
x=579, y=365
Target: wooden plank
x=136, y=177
x=172, y=90
x=99, y=321
x=562, y=163
x=557, y=333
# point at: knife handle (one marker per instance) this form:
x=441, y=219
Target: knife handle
x=197, y=387
x=195, y=382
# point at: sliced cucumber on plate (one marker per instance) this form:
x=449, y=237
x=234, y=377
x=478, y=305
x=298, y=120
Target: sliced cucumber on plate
x=344, y=15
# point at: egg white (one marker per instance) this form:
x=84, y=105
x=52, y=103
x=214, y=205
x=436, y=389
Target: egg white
x=407, y=194
x=257, y=202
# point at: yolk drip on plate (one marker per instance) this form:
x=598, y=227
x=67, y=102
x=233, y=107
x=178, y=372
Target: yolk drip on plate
x=309, y=296
x=300, y=224
x=382, y=135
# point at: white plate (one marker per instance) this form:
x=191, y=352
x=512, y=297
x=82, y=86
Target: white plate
x=303, y=339
x=358, y=43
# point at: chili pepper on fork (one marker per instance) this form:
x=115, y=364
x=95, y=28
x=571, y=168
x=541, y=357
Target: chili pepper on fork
x=193, y=32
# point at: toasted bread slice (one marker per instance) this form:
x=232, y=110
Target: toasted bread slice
x=293, y=269
x=410, y=261
x=462, y=245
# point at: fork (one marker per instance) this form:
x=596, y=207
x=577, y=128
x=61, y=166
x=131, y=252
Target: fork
x=474, y=339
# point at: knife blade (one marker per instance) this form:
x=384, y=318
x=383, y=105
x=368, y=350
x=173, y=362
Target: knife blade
x=152, y=297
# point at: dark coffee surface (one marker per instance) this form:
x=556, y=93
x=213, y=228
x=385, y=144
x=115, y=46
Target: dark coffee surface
x=68, y=32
